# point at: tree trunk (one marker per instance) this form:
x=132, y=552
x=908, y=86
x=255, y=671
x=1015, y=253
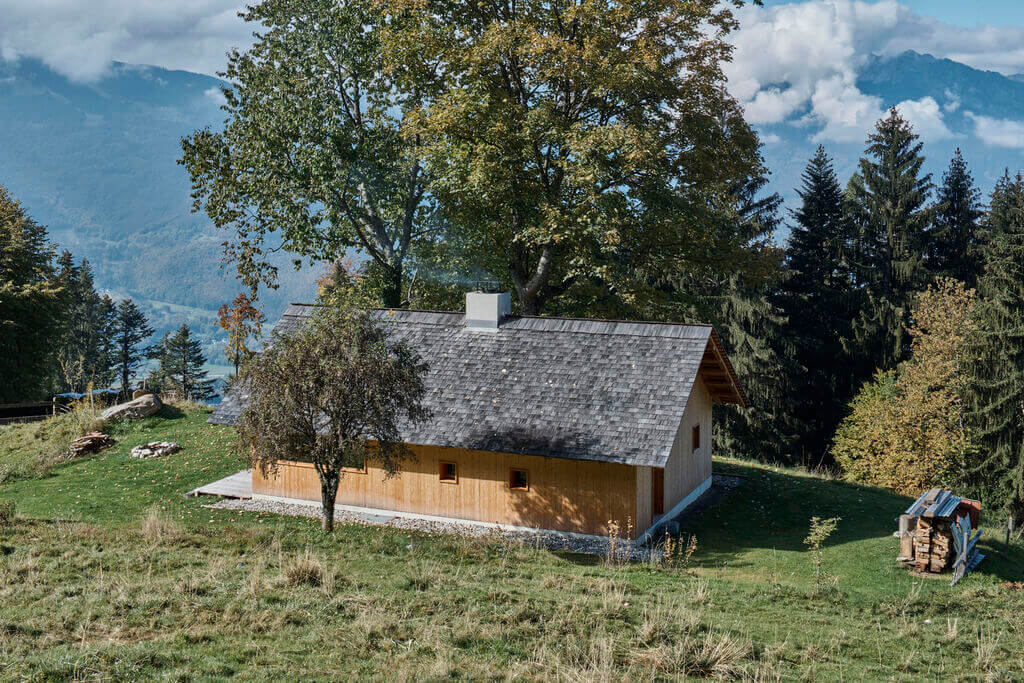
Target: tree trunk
x=328, y=494
x=391, y=294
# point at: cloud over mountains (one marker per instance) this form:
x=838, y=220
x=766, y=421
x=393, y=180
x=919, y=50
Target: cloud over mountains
x=799, y=63
x=80, y=40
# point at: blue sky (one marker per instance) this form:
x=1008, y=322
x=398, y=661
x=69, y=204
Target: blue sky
x=967, y=13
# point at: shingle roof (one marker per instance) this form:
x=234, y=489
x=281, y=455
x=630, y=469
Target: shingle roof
x=568, y=388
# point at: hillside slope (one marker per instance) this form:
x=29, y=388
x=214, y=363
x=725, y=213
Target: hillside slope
x=109, y=572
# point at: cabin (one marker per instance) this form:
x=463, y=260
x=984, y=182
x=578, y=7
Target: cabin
x=551, y=423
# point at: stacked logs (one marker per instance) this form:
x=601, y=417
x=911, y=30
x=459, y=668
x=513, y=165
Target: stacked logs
x=90, y=442
x=933, y=545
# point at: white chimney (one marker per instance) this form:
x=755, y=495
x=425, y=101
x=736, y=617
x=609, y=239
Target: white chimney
x=484, y=310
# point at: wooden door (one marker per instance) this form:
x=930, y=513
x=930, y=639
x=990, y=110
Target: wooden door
x=657, y=491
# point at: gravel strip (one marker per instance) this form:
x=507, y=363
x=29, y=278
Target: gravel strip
x=551, y=540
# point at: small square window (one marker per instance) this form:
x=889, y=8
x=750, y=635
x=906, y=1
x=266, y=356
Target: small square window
x=447, y=473
x=696, y=437
x=519, y=480
x=359, y=469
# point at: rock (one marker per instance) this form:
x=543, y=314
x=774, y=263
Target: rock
x=141, y=392
x=90, y=443
x=136, y=409
x=155, y=449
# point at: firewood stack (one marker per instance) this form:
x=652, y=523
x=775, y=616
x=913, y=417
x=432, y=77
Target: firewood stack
x=936, y=533
x=90, y=442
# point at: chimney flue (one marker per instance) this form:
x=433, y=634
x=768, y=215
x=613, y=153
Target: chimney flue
x=485, y=310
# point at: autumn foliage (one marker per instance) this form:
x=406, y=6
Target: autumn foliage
x=906, y=430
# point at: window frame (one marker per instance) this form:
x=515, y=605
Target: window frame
x=355, y=470
x=526, y=473
x=440, y=472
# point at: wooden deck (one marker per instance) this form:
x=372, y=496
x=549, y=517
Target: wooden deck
x=238, y=485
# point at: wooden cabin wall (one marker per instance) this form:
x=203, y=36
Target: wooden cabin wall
x=568, y=495
x=686, y=469
x=644, y=516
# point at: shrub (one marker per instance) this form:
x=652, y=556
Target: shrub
x=821, y=529
x=907, y=430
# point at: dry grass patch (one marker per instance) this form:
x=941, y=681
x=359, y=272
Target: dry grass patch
x=157, y=527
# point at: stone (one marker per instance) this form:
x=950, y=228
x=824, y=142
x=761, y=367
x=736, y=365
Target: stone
x=136, y=409
x=155, y=449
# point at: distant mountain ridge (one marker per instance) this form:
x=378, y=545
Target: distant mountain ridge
x=963, y=93
x=97, y=163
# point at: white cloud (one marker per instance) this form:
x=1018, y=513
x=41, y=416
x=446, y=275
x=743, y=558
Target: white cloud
x=926, y=117
x=798, y=62
x=770, y=139
x=214, y=95
x=81, y=39
x=998, y=132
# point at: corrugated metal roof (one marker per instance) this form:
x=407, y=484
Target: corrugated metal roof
x=611, y=391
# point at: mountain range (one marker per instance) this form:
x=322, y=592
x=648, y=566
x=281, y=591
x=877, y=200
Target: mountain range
x=97, y=164
x=982, y=112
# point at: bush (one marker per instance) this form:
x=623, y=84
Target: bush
x=906, y=429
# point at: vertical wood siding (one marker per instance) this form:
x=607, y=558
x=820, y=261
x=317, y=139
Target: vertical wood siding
x=568, y=495
x=644, y=516
x=687, y=468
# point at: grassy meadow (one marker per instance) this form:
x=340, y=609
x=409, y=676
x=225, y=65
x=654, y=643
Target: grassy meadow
x=107, y=571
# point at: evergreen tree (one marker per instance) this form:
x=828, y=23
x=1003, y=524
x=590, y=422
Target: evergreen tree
x=181, y=371
x=997, y=382
x=30, y=304
x=754, y=329
x=129, y=331
x=954, y=234
x=85, y=353
x=887, y=201
x=819, y=300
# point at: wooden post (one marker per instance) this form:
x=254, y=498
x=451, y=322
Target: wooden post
x=1009, y=529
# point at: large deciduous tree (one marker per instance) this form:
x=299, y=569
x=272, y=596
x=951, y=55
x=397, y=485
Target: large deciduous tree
x=335, y=392
x=888, y=202
x=578, y=144
x=311, y=154
x=30, y=304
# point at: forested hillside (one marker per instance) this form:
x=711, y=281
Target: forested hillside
x=96, y=164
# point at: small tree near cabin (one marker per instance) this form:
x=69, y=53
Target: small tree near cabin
x=334, y=392
x=241, y=320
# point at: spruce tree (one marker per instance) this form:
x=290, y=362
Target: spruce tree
x=30, y=304
x=954, y=233
x=181, y=366
x=997, y=382
x=887, y=200
x=819, y=301
x=754, y=330
x=129, y=331
x=85, y=353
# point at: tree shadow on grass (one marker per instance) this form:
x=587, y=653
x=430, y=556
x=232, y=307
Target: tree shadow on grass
x=772, y=510
x=170, y=412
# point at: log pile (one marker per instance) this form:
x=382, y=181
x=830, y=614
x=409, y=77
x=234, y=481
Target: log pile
x=91, y=442
x=937, y=533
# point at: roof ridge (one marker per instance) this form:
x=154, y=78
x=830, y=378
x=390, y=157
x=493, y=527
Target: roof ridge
x=536, y=317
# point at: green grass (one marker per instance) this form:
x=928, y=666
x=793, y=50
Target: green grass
x=110, y=572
